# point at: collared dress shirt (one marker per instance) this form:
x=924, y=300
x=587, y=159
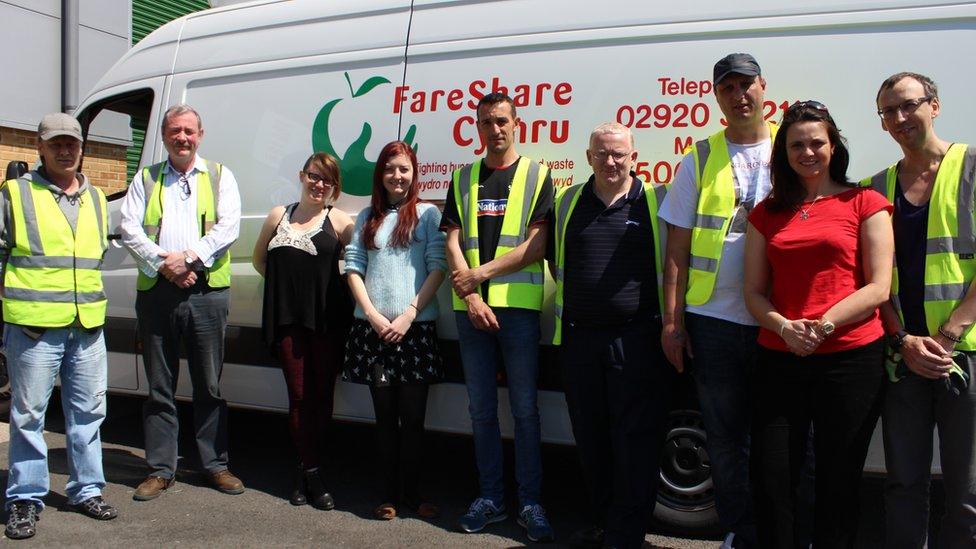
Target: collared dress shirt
x=180, y=229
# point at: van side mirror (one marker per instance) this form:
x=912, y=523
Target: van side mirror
x=16, y=169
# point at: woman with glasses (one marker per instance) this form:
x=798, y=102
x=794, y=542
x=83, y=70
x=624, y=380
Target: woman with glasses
x=307, y=312
x=819, y=252
x=395, y=263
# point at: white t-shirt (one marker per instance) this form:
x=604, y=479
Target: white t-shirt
x=750, y=168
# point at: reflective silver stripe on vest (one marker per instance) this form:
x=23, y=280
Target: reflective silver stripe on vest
x=520, y=277
x=56, y=262
x=700, y=263
x=558, y=309
x=945, y=292
x=964, y=205
x=214, y=172
x=30, y=217
x=66, y=296
x=98, y=216
x=464, y=188
x=560, y=272
x=528, y=204
x=510, y=241
x=704, y=148
x=942, y=244
x=879, y=182
x=896, y=303
x=706, y=221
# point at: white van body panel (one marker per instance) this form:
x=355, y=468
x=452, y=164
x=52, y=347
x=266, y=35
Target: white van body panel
x=261, y=75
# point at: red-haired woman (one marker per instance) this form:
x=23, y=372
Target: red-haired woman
x=394, y=264
x=307, y=311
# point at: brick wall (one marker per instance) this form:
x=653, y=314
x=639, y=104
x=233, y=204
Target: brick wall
x=104, y=163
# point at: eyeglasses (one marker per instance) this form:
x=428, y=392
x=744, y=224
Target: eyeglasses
x=617, y=157
x=184, y=187
x=908, y=107
x=809, y=103
x=315, y=179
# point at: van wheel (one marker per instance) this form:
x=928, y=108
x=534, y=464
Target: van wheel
x=4, y=388
x=685, y=496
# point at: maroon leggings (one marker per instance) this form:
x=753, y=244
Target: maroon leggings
x=310, y=361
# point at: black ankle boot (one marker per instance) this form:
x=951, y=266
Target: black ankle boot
x=298, y=489
x=318, y=496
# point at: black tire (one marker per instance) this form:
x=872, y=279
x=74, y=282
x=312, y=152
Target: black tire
x=685, y=496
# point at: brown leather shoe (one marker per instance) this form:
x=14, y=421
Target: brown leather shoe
x=226, y=482
x=152, y=487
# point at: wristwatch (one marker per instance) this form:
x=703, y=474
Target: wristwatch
x=896, y=339
x=189, y=260
x=826, y=327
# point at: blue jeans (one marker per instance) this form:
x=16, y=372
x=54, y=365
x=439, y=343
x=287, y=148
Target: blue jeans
x=724, y=364
x=79, y=358
x=518, y=343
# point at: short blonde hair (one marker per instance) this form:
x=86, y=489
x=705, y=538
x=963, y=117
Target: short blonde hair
x=612, y=127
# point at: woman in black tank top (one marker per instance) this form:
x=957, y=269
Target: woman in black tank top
x=307, y=312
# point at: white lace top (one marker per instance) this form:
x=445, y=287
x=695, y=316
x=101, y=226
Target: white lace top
x=286, y=235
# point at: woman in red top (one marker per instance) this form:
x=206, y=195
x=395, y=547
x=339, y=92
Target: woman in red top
x=818, y=262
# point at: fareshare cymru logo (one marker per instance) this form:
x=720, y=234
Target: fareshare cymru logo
x=357, y=171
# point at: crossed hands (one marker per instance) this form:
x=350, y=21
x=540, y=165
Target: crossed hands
x=465, y=283
x=929, y=357
x=392, y=331
x=175, y=270
x=801, y=336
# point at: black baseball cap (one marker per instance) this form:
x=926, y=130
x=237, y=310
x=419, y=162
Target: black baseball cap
x=739, y=63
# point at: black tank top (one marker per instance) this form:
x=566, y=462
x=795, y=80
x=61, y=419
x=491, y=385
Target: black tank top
x=302, y=288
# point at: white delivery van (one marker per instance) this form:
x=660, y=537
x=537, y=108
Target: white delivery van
x=276, y=80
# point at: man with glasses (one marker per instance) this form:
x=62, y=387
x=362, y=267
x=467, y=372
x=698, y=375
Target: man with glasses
x=495, y=220
x=53, y=234
x=715, y=188
x=929, y=318
x=183, y=295
x=605, y=253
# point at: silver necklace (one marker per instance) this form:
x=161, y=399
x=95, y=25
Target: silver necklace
x=805, y=212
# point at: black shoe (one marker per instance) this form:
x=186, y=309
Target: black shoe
x=96, y=508
x=22, y=517
x=298, y=489
x=590, y=537
x=318, y=496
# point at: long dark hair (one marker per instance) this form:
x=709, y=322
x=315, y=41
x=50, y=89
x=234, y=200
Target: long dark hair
x=379, y=205
x=788, y=192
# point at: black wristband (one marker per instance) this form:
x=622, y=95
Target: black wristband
x=947, y=335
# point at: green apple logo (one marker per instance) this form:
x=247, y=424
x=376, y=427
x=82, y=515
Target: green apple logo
x=357, y=171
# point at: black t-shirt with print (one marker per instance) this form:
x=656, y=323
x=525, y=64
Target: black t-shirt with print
x=493, y=188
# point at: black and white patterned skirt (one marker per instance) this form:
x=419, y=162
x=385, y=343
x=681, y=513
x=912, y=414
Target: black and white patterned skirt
x=372, y=361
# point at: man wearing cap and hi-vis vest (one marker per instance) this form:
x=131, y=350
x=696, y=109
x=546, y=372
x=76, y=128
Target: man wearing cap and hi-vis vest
x=495, y=218
x=716, y=186
x=53, y=234
x=179, y=218
x=605, y=252
x=929, y=318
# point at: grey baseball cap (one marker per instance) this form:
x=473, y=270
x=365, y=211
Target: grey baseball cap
x=58, y=123
x=739, y=63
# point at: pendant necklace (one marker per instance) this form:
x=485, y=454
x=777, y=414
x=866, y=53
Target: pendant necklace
x=805, y=212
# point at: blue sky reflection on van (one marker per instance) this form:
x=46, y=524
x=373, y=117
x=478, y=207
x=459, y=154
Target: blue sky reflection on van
x=357, y=170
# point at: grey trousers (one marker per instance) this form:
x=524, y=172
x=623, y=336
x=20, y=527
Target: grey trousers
x=197, y=317
x=914, y=406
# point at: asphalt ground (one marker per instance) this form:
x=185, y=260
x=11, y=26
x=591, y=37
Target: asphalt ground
x=191, y=514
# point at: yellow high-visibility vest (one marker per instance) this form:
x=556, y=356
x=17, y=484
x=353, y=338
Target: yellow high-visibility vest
x=716, y=204
x=53, y=275
x=563, y=210
x=523, y=288
x=208, y=195
x=950, y=247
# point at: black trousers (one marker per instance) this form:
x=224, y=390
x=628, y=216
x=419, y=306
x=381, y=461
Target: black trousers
x=841, y=395
x=617, y=385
